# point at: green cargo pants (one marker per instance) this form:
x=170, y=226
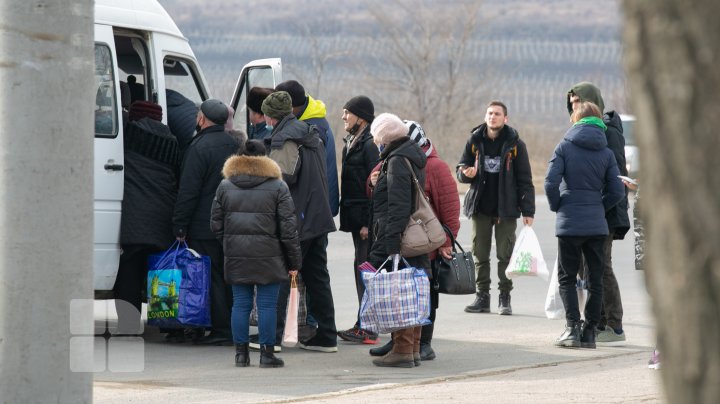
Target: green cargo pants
x=482, y=243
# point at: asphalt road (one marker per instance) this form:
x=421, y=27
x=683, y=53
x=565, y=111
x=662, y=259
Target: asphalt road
x=466, y=344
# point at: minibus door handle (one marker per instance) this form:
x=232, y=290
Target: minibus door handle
x=114, y=167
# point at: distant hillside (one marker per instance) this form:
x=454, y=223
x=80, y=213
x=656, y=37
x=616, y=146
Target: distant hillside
x=525, y=52
x=539, y=44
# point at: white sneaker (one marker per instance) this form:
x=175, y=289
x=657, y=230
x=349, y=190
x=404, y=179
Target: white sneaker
x=317, y=348
x=608, y=337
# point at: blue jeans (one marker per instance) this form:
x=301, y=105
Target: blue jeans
x=267, y=296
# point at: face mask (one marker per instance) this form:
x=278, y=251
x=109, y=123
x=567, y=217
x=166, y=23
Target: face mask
x=269, y=127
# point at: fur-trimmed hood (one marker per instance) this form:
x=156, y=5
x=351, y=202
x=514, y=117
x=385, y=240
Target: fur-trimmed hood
x=251, y=166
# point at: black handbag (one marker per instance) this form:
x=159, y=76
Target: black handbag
x=455, y=276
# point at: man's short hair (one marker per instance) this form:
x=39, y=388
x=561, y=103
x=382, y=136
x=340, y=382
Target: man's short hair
x=500, y=104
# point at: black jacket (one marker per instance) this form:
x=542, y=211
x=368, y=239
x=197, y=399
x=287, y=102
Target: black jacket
x=516, y=193
x=394, y=197
x=298, y=150
x=200, y=176
x=181, y=114
x=617, y=218
x=152, y=160
x=254, y=217
x=357, y=162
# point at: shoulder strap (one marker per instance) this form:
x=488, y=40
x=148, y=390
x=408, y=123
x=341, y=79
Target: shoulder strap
x=419, y=191
x=412, y=172
x=454, y=242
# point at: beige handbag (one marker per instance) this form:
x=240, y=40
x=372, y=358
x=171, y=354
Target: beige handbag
x=423, y=233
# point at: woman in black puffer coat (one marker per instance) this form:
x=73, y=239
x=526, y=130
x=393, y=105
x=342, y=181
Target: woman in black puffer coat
x=254, y=217
x=393, y=203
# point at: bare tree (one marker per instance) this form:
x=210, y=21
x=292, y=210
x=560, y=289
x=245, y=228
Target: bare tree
x=671, y=58
x=422, y=49
x=319, y=58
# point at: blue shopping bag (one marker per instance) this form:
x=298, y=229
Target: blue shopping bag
x=178, y=288
x=395, y=300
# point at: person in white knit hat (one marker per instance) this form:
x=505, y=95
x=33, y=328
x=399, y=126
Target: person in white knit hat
x=392, y=206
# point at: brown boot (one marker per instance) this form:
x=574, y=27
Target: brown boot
x=417, y=332
x=395, y=360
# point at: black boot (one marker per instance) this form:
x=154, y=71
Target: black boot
x=504, y=307
x=242, y=355
x=481, y=303
x=571, y=337
x=382, y=350
x=426, y=351
x=268, y=359
x=587, y=336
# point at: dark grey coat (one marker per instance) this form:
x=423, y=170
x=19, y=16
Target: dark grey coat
x=200, y=176
x=254, y=217
x=300, y=153
x=152, y=159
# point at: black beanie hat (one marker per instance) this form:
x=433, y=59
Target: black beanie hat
x=361, y=106
x=254, y=147
x=215, y=111
x=296, y=91
x=256, y=96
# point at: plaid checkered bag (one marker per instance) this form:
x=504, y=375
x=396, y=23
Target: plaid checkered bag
x=395, y=300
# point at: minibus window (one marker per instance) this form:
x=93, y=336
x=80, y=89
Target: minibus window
x=180, y=76
x=106, y=119
x=261, y=76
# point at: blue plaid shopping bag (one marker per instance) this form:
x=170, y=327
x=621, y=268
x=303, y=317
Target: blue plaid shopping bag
x=395, y=300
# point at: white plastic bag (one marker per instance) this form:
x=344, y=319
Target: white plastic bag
x=527, y=257
x=554, y=308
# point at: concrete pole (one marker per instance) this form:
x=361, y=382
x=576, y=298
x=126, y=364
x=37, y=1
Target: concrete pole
x=46, y=202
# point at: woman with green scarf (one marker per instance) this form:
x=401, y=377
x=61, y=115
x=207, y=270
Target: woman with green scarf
x=581, y=185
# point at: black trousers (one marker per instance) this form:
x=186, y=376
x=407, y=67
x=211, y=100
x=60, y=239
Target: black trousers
x=361, y=255
x=319, y=295
x=570, y=253
x=221, y=297
x=131, y=277
x=612, y=311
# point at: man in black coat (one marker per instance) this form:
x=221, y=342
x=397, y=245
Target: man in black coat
x=296, y=147
x=496, y=165
x=359, y=156
x=200, y=176
x=610, y=327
